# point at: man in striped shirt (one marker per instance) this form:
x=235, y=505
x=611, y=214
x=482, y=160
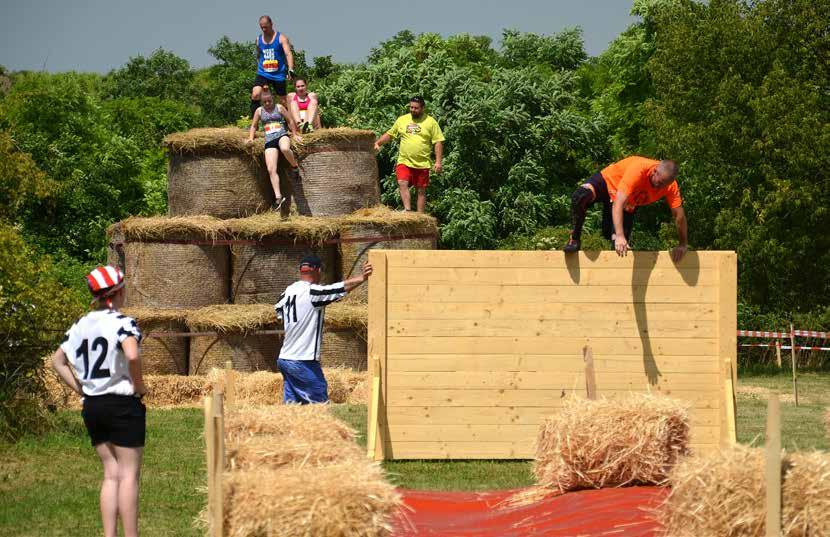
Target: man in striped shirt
x=302, y=308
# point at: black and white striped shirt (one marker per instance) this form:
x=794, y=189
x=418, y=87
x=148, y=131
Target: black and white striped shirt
x=302, y=308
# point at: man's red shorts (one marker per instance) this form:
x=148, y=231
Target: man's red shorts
x=418, y=177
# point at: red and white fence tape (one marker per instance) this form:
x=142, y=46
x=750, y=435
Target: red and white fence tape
x=759, y=333
x=785, y=347
x=811, y=333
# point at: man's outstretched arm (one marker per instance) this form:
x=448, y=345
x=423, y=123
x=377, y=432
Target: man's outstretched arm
x=679, y=251
x=620, y=244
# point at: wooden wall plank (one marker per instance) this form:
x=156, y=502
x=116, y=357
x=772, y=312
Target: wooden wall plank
x=619, y=311
x=598, y=294
x=533, y=380
x=440, y=415
x=547, y=363
x=610, y=328
x=512, y=398
x=514, y=259
x=564, y=345
x=553, y=276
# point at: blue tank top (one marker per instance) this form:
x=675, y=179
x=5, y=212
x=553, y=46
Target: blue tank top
x=273, y=123
x=272, y=63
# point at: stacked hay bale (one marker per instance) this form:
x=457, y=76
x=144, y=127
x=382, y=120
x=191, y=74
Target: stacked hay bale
x=338, y=172
x=173, y=262
x=296, y=470
x=380, y=227
x=220, y=260
x=263, y=269
x=237, y=338
x=162, y=354
x=215, y=172
x=722, y=494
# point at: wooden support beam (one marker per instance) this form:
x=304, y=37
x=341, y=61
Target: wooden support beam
x=374, y=406
x=590, y=374
x=773, y=467
x=218, y=430
x=730, y=427
x=795, y=376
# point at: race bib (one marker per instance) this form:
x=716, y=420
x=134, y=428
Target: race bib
x=413, y=128
x=269, y=63
x=273, y=128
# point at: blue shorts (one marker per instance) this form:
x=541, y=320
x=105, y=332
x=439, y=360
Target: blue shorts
x=303, y=381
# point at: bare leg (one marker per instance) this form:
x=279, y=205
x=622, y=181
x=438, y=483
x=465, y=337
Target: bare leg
x=311, y=114
x=422, y=198
x=285, y=147
x=403, y=186
x=271, y=157
x=129, y=471
x=256, y=94
x=109, y=489
x=294, y=109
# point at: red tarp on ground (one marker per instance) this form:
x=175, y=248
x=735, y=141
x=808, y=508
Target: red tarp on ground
x=621, y=512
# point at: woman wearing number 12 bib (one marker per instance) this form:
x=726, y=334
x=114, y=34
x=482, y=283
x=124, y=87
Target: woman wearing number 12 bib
x=99, y=359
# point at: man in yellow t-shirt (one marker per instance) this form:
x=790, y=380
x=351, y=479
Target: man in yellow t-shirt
x=417, y=132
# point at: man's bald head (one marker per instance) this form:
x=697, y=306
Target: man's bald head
x=664, y=174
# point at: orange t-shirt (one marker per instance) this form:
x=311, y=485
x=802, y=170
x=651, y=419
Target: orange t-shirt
x=631, y=175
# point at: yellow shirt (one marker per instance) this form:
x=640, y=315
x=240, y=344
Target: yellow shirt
x=417, y=139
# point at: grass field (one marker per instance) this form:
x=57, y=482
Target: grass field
x=49, y=484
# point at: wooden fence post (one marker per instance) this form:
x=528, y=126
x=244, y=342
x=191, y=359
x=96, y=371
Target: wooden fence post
x=792, y=351
x=773, y=467
x=590, y=374
x=230, y=386
x=374, y=407
x=778, y=353
x=210, y=456
x=218, y=419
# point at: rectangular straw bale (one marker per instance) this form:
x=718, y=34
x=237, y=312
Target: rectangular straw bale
x=274, y=452
x=311, y=423
x=346, y=500
x=257, y=388
x=723, y=494
x=611, y=443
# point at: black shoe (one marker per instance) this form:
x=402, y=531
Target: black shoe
x=572, y=246
x=277, y=205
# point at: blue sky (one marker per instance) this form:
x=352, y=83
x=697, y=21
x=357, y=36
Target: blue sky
x=98, y=35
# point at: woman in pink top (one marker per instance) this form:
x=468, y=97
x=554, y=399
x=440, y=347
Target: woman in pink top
x=304, y=107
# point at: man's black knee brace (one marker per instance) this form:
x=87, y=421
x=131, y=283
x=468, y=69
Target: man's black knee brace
x=582, y=198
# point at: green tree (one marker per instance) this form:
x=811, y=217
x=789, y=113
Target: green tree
x=35, y=310
x=163, y=75
x=222, y=90
x=742, y=99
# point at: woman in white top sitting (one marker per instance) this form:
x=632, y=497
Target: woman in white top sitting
x=99, y=359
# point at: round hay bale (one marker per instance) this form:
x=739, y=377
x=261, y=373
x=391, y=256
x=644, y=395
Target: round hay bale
x=261, y=272
x=223, y=185
x=164, y=275
x=338, y=173
x=354, y=253
x=115, y=247
x=344, y=347
x=162, y=355
x=247, y=352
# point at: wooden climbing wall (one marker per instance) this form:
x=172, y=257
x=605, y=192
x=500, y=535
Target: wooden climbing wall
x=471, y=349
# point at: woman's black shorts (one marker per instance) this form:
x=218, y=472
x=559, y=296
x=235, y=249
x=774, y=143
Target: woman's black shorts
x=275, y=144
x=118, y=419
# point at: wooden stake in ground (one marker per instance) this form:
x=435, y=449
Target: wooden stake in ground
x=778, y=352
x=792, y=351
x=210, y=456
x=590, y=374
x=218, y=418
x=773, y=467
x=230, y=386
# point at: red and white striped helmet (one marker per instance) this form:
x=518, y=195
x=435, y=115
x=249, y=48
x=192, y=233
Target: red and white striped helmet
x=104, y=281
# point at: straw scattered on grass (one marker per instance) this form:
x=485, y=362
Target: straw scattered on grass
x=345, y=500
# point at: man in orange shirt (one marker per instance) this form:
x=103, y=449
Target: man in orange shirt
x=621, y=188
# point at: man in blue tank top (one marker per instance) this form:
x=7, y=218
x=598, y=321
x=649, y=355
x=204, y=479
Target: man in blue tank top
x=275, y=63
